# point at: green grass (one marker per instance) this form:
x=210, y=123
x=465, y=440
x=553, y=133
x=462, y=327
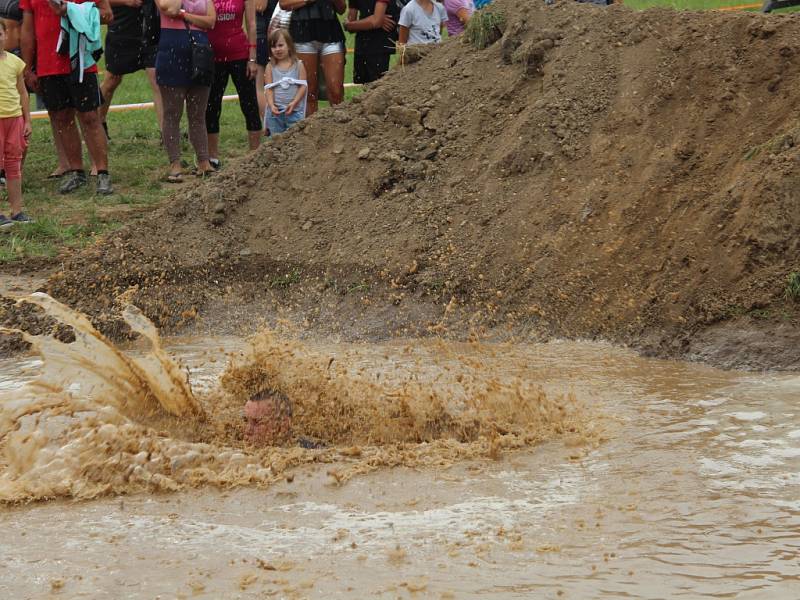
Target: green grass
x=138, y=163
x=792, y=289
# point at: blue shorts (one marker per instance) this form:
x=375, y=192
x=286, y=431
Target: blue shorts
x=282, y=122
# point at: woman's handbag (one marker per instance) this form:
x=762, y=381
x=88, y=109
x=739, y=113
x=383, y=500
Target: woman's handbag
x=202, y=67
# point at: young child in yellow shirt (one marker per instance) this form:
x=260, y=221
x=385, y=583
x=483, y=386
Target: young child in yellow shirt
x=15, y=129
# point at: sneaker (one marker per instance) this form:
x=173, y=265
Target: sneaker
x=214, y=162
x=5, y=222
x=104, y=187
x=21, y=217
x=71, y=181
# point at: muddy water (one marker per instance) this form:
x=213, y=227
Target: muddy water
x=696, y=493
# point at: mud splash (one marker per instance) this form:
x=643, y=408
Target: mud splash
x=100, y=421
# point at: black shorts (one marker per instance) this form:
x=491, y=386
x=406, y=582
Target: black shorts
x=262, y=52
x=369, y=67
x=126, y=55
x=60, y=92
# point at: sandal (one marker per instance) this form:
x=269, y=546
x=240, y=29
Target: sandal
x=206, y=173
x=174, y=178
x=56, y=174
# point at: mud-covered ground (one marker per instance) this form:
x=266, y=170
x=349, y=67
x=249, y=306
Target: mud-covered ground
x=597, y=173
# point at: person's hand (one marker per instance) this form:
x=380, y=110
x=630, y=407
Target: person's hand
x=27, y=130
x=58, y=6
x=31, y=80
x=252, y=70
x=290, y=107
x=275, y=110
x=173, y=12
x=133, y=3
x=261, y=5
x=388, y=24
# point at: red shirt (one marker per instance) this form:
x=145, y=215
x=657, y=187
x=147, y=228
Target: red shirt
x=227, y=38
x=47, y=25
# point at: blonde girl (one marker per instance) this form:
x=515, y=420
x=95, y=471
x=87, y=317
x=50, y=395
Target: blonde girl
x=286, y=84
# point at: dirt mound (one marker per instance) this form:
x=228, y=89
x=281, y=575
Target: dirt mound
x=598, y=172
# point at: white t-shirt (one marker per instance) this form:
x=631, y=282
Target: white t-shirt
x=423, y=28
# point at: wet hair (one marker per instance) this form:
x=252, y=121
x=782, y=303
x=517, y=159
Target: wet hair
x=276, y=35
x=281, y=401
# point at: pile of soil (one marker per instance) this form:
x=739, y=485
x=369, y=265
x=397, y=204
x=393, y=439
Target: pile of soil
x=595, y=173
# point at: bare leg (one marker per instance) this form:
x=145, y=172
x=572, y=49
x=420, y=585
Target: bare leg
x=262, y=98
x=14, y=187
x=196, y=101
x=63, y=162
x=310, y=63
x=333, y=68
x=254, y=138
x=151, y=77
x=95, y=138
x=64, y=128
x=110, y=84
x=213, y=145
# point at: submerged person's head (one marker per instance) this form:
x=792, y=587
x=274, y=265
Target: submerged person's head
x=268, y=416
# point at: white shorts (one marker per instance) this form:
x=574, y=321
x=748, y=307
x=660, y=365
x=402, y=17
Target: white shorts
x=320, y=48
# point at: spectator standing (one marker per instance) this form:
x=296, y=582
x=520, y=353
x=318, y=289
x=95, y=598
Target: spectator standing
x=421, y=22
x=375, y=24
x=15, y=129
x=131, y=46
x=286, y=83
x=264, y=10
x=319, y=41
x=181, y=22
x=66, y=93
x=234, y=57
x=458, y=13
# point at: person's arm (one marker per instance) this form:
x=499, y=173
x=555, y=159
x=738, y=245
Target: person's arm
x=250, y=22
x=339, y=6
x=269, y=93
x=106, y=14
x=171, y=8
x=463, y=15
x=404, y=23
x=28, y=46
x=26, y=106
x=206, y=21
x=301, y=90
x=293, y=4
x=379, y=20
x=131, y=3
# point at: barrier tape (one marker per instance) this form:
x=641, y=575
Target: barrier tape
x=42, y=114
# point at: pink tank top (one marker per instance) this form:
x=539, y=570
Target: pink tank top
x=193, y=7
x=228, y=38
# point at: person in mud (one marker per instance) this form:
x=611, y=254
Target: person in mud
x=65, y=96
x=268, y=418
x=375, y=24
x=131, y=46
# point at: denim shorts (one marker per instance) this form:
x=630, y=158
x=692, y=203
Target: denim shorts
x=282, y=122
x=320, y=48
